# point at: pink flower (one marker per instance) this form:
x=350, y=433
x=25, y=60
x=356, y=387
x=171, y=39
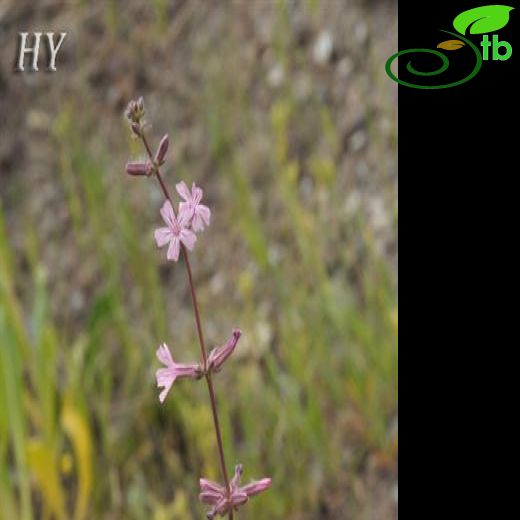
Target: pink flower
x=175, y=232
x=223, y=501
x=219, y=354
x=166, y=376
x=198, y=214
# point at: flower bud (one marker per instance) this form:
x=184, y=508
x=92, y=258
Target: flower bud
x=161, y=150
x=137, y=168
x=135, y=110
x=140, y=105
x=218, y=355
x=130, y=110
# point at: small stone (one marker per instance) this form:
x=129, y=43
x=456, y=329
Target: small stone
x=361, y=33
x=217, y=283
x=276, y=76
x=323, y=47
x=358, y=140
x=352, y=203
x=345, y=68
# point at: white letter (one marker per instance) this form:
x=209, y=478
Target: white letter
x=54, y=50
x=33, y=50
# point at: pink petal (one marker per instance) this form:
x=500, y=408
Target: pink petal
x=164, y=393
x=183, y=191
x=209, y=485
x=164, y=356
x=186, y=369
x=223, y=506
x=209, y=497
x=197, y=224
x=238, y=499
x=188, y=238
x=168, y=215
x=173, y=249
x=185, y=214
x=165, y=378
x=256, y=487
x=204, y=213
x=162, y=236
x=196, y=194
x=235, y=481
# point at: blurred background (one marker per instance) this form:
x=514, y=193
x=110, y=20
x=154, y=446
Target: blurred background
x=282, y=112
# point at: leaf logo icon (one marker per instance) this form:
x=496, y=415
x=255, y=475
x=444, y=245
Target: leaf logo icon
x=451, y=45
x=481, y=20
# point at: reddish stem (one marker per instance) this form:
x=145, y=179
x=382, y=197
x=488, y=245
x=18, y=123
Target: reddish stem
x=196, y=312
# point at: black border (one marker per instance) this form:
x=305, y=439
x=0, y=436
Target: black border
x=458, y=160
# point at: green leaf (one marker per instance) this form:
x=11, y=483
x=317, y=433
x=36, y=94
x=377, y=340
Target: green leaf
x=485, y=19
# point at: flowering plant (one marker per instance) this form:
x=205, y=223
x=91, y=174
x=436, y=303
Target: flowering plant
x=180, y=235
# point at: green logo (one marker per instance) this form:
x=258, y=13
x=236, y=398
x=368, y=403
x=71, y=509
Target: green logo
x=480, y=20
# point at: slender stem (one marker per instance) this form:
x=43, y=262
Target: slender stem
x=196, y=312
x=195, y=305
x=209, y=381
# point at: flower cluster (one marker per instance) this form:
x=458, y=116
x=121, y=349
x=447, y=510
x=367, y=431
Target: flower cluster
x=166, y=376
x=135, y=114
x=179, y=233
x=192, y=216
x=135, y=110
x=223, y=500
